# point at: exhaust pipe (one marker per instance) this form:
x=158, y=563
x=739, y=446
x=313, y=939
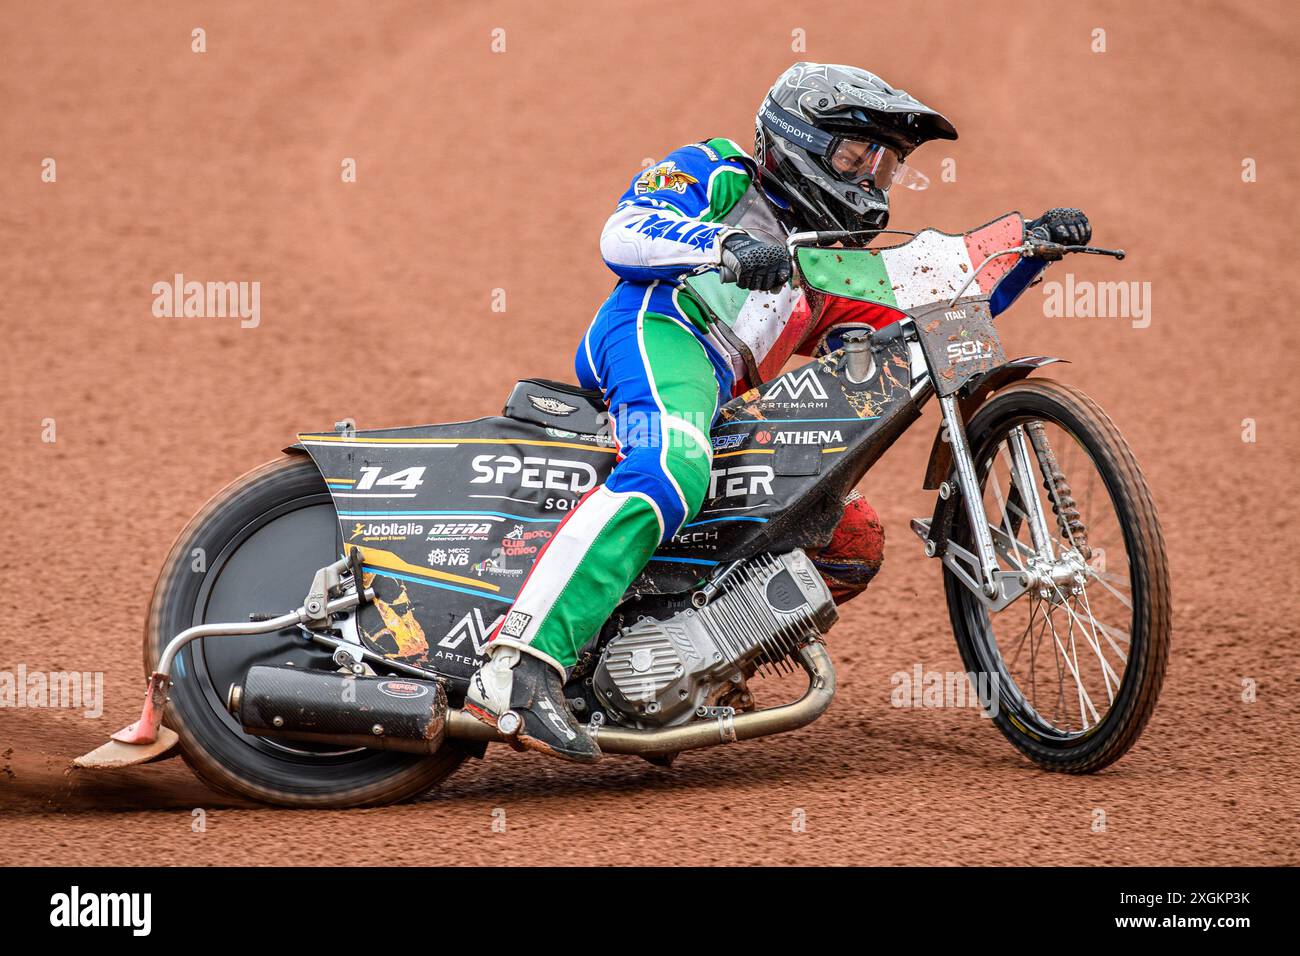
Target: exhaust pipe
x=412, y=715
x=700, y=733
x=382, y=713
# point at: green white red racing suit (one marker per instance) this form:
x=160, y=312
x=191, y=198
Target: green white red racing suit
x=664, y=365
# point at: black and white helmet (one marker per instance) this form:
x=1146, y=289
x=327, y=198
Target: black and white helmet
x=832, y=140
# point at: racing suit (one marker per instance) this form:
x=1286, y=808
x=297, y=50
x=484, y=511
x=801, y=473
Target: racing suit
x=664, y=370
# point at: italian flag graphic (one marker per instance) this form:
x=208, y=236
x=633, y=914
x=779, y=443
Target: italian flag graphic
x=931, y=267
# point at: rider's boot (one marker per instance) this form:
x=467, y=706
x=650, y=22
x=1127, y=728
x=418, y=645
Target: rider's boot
x=522, y=696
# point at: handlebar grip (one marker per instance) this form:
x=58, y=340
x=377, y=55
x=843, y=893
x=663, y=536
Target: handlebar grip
x=1047, y=251
x=726, y=275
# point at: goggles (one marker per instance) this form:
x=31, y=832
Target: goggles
x=853, y=160
x=864, y=162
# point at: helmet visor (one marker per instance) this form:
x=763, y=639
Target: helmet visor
x=862, y=161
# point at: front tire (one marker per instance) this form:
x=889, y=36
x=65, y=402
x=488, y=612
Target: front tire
x=1095, y=714
x=253, y=548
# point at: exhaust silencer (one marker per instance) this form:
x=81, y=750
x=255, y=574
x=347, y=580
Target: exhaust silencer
x=382, y=713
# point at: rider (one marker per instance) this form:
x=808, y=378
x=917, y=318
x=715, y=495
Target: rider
x=830, y=141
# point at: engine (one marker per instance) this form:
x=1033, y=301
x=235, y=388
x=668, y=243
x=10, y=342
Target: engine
x=659, y=672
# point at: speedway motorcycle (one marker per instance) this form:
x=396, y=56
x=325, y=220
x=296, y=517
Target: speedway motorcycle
x=412, y=542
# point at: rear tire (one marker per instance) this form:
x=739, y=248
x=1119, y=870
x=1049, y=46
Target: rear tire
x=206, y=578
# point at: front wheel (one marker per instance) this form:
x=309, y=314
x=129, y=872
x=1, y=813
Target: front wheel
x=1073, y=668
x=253, y=549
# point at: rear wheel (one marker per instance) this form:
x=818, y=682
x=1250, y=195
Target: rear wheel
x=253, y=548
x=1076, y=664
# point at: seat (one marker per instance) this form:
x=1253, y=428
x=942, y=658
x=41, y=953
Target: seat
x=557, y=405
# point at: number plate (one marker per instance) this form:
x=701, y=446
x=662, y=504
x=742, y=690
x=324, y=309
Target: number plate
x=960, y=342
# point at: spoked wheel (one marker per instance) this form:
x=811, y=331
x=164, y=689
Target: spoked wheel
x=1076, y=664
x=253, y=549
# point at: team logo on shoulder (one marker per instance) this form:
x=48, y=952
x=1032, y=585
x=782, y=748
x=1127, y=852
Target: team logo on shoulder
x=552, y=406
x=666, y=175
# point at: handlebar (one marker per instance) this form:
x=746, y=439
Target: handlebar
x=794, y=240
x=1035, y=249
x=1030, y=249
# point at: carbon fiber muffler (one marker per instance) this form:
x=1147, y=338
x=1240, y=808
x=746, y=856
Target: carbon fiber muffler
x=382, y=713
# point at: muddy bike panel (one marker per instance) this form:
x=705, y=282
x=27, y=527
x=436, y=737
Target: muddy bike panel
x=960, y=342
x=449, y=518
x=929, y=268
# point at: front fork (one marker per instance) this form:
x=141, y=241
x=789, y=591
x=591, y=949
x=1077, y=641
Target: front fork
x=1023, y=466
x=980, y=572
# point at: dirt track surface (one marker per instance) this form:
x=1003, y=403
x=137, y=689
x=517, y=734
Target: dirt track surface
x=479, y=171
